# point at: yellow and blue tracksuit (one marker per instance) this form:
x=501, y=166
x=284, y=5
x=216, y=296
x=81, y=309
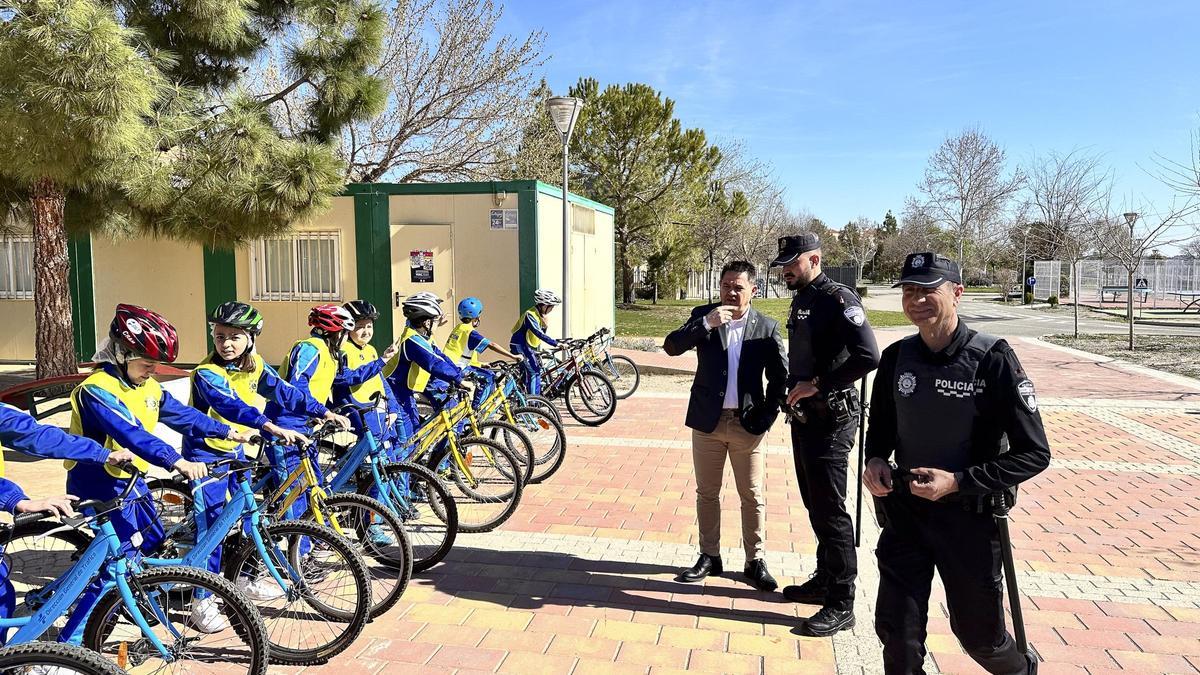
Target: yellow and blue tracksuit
x=415, y=363
x=528, y=334
x=234, y=397
x=361, y=361
x=464, y=347
x=20, y=432
x=115, y=413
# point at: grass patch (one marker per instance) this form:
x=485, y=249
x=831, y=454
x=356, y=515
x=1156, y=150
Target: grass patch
x=1179, y=354
x=646, y=320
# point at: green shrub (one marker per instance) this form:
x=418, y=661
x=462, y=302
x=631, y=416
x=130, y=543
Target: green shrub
x=1029, y=297
x=1053, y=300
x=862, y=291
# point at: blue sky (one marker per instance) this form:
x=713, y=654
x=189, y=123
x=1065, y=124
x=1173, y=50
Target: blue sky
x=846, y=100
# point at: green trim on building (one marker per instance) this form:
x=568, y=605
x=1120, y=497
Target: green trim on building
x=476, y=188
x=83, y=300
x=220, y=280
x=373, y=252
x=556, y=192
x=527, y=244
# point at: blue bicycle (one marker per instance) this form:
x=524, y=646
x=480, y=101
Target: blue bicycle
x=142, y=617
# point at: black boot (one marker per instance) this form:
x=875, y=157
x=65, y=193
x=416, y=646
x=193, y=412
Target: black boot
x=706, y=565
x=811, y=592
x=827, y=621
x=758, y=576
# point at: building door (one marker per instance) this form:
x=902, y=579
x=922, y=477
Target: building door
x=423, y=260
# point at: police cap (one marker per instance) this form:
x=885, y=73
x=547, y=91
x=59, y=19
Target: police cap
x=928, y=269
x=791, y=247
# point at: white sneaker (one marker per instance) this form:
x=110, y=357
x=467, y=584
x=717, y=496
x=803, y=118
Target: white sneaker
x=260, y=589
x=207, y=616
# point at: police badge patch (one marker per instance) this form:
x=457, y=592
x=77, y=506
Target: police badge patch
x=907, y=384
x=918, y=261
x=1026, y=394
x=855, y=315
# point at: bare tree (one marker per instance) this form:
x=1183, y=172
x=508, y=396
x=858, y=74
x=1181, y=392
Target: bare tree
x=1130, y=237
x=757, y=239
x=457, y=94
x=858, y=239
x=1067, y=194
x=1183, y=177
x=966, y=187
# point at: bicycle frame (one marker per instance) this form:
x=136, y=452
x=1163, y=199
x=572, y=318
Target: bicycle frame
x=104, y=553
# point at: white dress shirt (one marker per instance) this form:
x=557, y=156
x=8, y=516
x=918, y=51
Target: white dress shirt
x=735, y=330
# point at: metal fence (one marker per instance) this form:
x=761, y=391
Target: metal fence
x=1164, y=283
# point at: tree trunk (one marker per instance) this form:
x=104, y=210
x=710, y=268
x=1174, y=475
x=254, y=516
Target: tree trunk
x=708, y=279
x=1129, y=311
x=626, y=277
x=55, y=332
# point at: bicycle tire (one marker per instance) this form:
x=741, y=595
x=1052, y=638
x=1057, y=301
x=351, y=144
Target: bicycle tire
x=624, y=372
x=546, y=464
x=420, y=487
x=390, y=567
x=21, y=658
x=534, y=401
x=507, y=467
x=355, y=620
x=173, y=502
x=34, y=563
x=600, y=413
x=247, y=623
x=515, y=440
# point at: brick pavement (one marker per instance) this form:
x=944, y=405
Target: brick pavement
x=581, y=579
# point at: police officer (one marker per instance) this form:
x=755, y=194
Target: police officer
x=946, y=403
x=830, y=346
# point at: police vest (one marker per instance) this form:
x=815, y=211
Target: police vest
x=244, y=385
x=390, y=365
x=531, y=338
x=935, y=405
x=802, y=362
x=142, y=402
x=356, y=357
x=456, y=346
x=320, y=385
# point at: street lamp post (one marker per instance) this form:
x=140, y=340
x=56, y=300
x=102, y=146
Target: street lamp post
x=564, y=110
x=1130, y=219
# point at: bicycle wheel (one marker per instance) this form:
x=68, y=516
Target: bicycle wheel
x=515, y=440
x=624, y=375
x=491, y=492
x=56, y=657
x=166, y=597
x=590, y=398
x=328, y=597
x=173, y=499
x=548, y=438
x=37, y=556
x=545, y=404
x=427, y=510
x=379, y=537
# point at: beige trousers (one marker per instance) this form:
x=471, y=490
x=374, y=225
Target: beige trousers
x=709, y=451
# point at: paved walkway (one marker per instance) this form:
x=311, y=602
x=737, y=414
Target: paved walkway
x=581, y=579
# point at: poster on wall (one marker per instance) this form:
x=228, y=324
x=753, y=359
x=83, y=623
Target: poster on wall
x=503, y=219
x=420, y=265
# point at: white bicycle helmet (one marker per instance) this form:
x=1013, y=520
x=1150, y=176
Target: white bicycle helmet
x=544, y=297
x=420, y=307
x=425, y=295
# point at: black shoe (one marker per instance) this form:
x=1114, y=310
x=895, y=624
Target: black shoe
x=828, y=621
x=811, y=592
x=706, y=565
x=758, y=576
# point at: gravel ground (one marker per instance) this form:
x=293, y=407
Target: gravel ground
x=665, y=383
x=1172, y=353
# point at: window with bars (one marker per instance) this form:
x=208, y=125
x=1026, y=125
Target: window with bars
x=16, y=268
x=305, y=266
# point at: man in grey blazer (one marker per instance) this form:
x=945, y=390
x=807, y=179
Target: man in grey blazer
x=729, y=412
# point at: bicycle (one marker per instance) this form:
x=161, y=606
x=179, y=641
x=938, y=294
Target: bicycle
x=58, y=657
x=140, y=616
x=621, y=370
x=312, y=614
x=545, y=433
x=589, y=396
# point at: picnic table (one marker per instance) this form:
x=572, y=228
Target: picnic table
x=1192, y=298
x=1143, y=291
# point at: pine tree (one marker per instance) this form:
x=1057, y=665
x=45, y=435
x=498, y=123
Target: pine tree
x=130, y=117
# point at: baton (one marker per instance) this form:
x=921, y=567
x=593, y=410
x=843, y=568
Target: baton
x=862, y=431
x=1000, y=513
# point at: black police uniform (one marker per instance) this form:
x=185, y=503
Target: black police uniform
x=831, y=341
x=951, y=410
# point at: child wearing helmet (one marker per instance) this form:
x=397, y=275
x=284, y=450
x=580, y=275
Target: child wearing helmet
x=232, y=385
x=117, y=406
x=530, y=333
x=418, y=360
x=465, y=345
x=20, y=432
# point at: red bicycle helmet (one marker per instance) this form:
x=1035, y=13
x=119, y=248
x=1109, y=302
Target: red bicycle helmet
x=145, y=333
x=330, y=318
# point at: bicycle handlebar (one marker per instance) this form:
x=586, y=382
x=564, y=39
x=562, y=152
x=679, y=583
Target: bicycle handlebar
x=99, y=506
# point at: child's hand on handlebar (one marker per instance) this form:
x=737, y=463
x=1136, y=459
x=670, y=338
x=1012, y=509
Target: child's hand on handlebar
x=60, y=505
x=191, y=470
x=341, y=420
x=240, y=436
x=286, y=435
x=118, y=457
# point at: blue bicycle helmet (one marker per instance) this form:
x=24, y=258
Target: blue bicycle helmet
x=470, y=308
